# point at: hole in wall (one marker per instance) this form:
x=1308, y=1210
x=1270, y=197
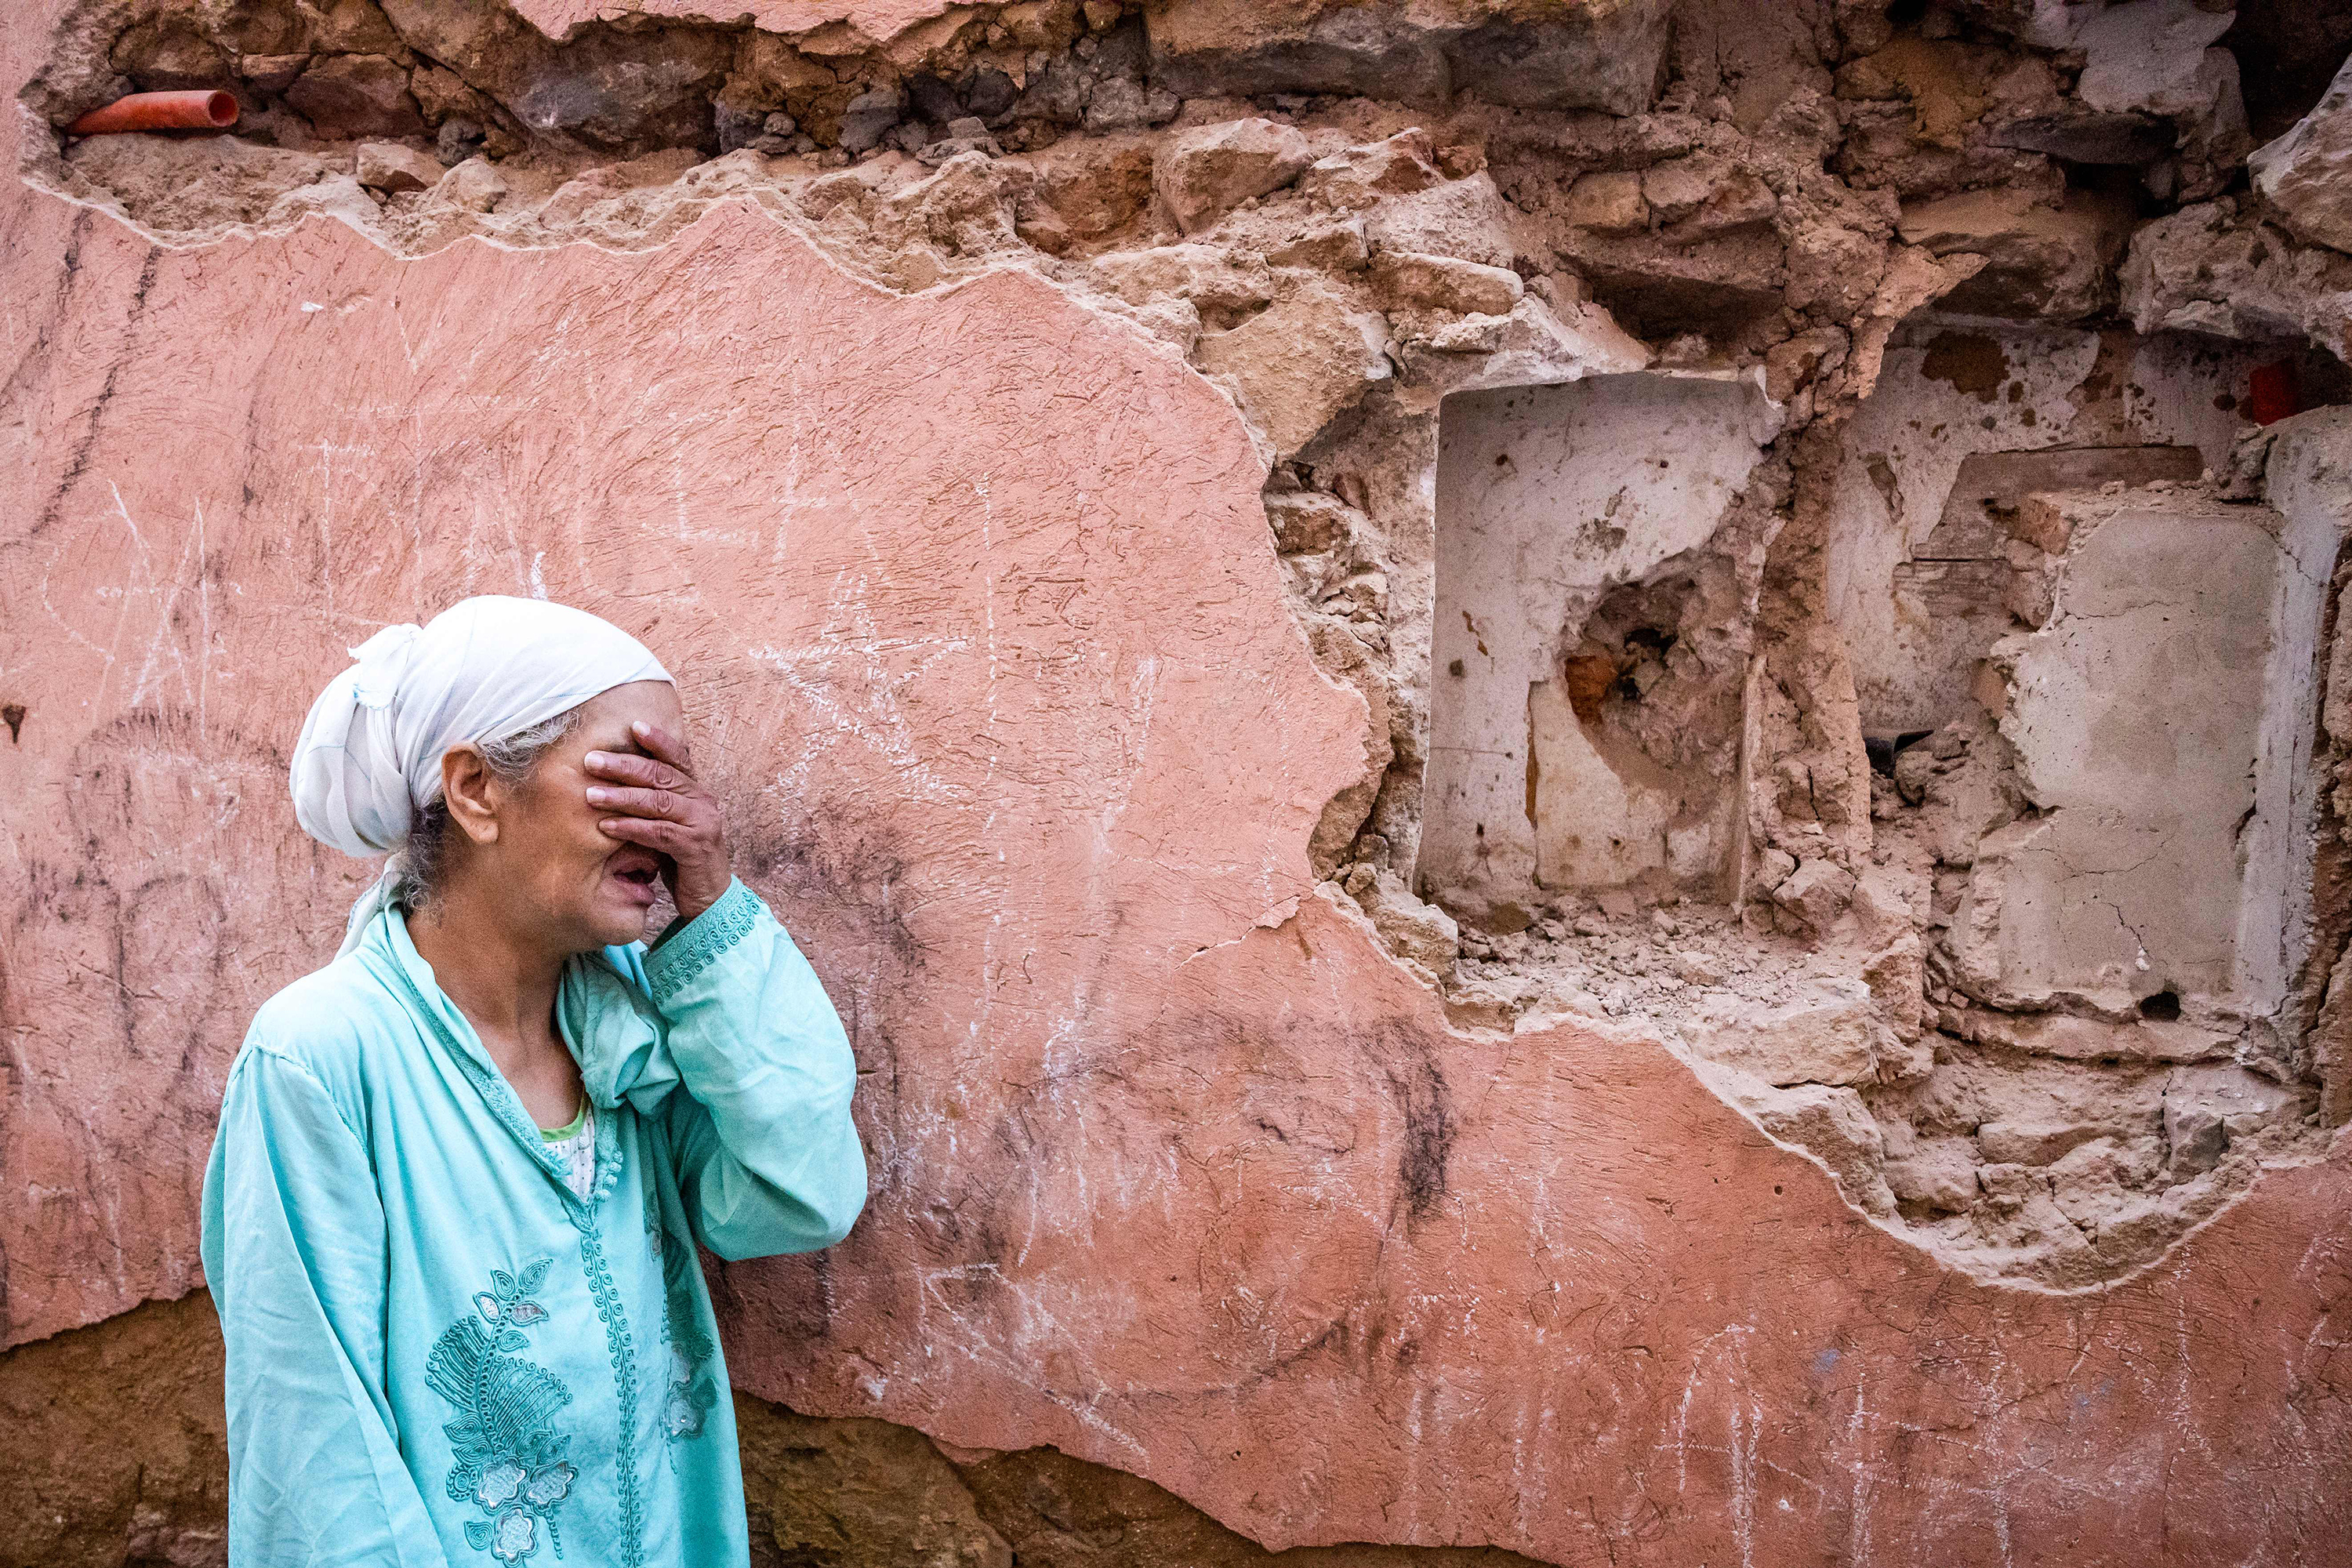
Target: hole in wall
x=1595, y=607
x=1992, y=1087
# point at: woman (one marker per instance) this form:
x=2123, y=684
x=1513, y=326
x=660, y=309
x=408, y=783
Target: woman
x=451, y=1214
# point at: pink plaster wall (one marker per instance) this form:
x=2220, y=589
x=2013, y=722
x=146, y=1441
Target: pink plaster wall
x=978, y=623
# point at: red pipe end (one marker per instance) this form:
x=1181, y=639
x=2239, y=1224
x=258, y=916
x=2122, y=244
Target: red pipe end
x=202, y=109
x=2272, y=393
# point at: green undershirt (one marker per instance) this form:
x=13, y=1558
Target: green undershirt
x=557, y=1134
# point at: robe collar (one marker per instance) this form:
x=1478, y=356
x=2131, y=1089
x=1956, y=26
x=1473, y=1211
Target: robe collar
x=610, y=1027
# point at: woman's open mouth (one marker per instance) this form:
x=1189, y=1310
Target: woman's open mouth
x=639, y=871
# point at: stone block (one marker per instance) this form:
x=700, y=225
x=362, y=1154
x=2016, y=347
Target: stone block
x=1216, y=281
x=1609, y=203
x=2153, y=55
x=1360, y=176
x=2127, y=139
x=1896, y=975
x=1204, y=174
x=2071, y=1038
x=870, y=116
x=1828, y=1034
x=356, y=95
x=1340, y=247
x=271, y=73
x=1466, y=218
x=1408, y=279
x=392, y=166
x=2245, y=1103
x=1704, y=196
x=1700, y=968
x=1606, y=55
x=1122, y=103
x=1815, y=894
x=1298, y=364
x=2306, y=174
x=2041, y=260
x=475, y=184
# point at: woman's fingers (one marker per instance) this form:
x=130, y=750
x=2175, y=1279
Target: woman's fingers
x=662, y=745
x=668, y=812
x=625, y=768
x=651, y=832
x=656, y=803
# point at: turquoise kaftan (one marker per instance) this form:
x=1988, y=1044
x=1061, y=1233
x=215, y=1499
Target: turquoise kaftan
x=437, y=1355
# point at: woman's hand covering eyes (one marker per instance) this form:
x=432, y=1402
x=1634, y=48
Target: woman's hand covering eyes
x=657, y=804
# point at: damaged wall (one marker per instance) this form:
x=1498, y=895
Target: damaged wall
x=1571, y=746
x=1969, y=418
x=1136, y=493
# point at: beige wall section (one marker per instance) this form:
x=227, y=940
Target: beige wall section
x=1956, y=393
x=1548, y=497
x=2137, y=717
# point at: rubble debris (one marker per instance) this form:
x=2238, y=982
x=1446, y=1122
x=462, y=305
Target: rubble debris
x=392, y=167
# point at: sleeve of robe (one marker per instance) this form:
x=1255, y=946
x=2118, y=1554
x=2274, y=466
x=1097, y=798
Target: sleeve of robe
x=768, y=1159
x=294, y=1249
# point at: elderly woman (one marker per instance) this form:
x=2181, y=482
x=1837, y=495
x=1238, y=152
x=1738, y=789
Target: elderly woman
x=451, y=1216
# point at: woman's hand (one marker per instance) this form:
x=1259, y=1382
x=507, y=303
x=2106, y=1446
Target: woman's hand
x=664, y=810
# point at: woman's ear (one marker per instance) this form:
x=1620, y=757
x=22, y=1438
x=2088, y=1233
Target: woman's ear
x=467, y=785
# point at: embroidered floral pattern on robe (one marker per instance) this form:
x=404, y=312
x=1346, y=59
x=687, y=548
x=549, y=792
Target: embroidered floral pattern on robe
x=510, y=1460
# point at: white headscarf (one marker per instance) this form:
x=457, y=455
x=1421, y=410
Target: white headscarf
x=482, y=669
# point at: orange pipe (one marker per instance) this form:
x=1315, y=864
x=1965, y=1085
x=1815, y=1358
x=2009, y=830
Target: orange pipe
x=204, y=110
